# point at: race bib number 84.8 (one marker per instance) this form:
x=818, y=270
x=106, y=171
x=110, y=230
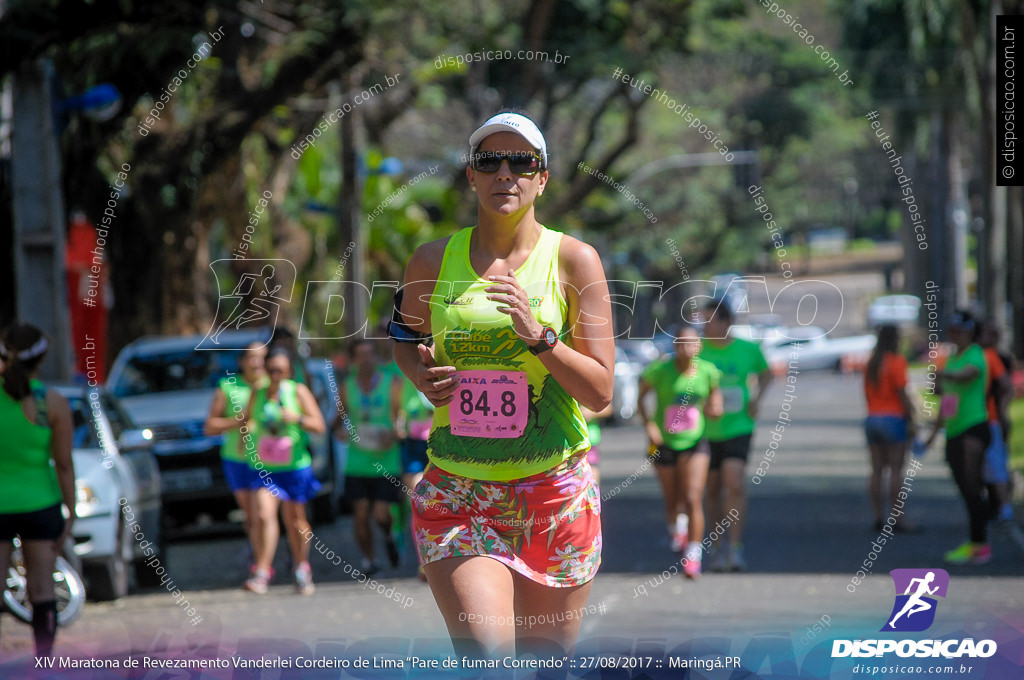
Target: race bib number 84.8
x=490, y=404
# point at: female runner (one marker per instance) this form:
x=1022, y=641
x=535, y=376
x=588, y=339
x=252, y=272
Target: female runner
x=281, y=409
x=507, y=516
x=37, y=472
x=890, y=422
x=964, y=382
x=686, y=390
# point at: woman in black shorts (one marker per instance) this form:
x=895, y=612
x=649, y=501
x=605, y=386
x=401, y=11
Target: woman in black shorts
x=36, y=423
x=686, y=390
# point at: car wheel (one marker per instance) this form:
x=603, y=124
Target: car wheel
x=109, y=578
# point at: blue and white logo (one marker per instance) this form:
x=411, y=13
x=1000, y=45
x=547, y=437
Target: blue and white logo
x=914, y=609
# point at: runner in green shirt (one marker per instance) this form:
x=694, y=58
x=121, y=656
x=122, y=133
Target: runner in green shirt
x=963, y=383
x=686, y=390
x=37, y=473
x=741, y=363
x=281, y=410
x=238, y=452
x=371, y=397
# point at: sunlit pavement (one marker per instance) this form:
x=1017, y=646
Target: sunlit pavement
x=809, y=530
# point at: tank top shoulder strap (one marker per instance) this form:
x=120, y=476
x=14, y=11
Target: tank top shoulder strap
x=456, y=254
x=550, y=242
x=39, y=396
x=542, y=265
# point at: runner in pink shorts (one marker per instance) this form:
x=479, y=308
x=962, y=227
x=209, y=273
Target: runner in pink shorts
x=507, y=516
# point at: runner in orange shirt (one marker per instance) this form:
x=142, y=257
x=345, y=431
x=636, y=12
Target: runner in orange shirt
x=890, y=422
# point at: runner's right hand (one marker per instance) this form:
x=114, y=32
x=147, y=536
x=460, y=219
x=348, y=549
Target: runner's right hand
x=654, y=433
x=435, y=382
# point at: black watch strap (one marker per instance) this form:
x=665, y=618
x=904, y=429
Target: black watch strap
x=548, y=339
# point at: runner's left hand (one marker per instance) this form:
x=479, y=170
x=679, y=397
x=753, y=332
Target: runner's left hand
x=506, y=290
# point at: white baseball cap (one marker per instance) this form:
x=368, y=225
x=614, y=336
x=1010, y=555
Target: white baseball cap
x=511, y=122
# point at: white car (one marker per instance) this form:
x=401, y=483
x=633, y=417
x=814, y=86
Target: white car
x=631, y=358
x=896, y=310
x=114, y=470
x=815, y=349
x=627, y=380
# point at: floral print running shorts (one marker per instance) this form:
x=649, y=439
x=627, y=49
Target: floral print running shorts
x=546, y=527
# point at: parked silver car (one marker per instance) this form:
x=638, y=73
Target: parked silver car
x=115, y=470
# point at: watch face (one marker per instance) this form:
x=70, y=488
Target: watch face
x=550, y=337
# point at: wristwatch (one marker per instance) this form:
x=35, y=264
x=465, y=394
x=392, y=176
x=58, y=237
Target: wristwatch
x=548, y=339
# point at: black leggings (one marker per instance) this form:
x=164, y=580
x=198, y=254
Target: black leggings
x=965, y=454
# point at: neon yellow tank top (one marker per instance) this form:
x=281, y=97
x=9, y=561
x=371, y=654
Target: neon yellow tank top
x=471, y=334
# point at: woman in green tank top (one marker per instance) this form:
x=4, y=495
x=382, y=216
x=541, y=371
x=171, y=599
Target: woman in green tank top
x=963, y=384
x=507, y=516
x=36, y=473
x=227, y=417
x=279, y=411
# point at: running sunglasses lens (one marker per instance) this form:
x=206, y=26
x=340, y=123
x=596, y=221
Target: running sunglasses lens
x=518, y=163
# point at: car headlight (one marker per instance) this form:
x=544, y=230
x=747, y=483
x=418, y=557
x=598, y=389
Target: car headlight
x=86, y=499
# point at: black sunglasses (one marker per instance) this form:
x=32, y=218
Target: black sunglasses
x=519, y=162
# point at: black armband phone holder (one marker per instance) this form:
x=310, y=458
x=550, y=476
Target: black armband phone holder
x=399, y=331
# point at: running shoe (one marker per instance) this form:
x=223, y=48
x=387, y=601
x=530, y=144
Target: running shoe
x=679, y=533
x=258, y=582
x=304, y=579
x=736, y=561
x=369, y=567
x=392, y=549
x=969, y=553
x=982, y=553
x=691, y=563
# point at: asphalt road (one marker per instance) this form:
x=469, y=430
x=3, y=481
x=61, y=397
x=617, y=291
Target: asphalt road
x=808, y=532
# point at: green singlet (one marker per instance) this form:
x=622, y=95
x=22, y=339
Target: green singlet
x=269, y=421
x=236, y=394
x=680, y=399
x=370, y=415
x=738, y=361
x=472, y=335
x=967, y=399
x=26, y=467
